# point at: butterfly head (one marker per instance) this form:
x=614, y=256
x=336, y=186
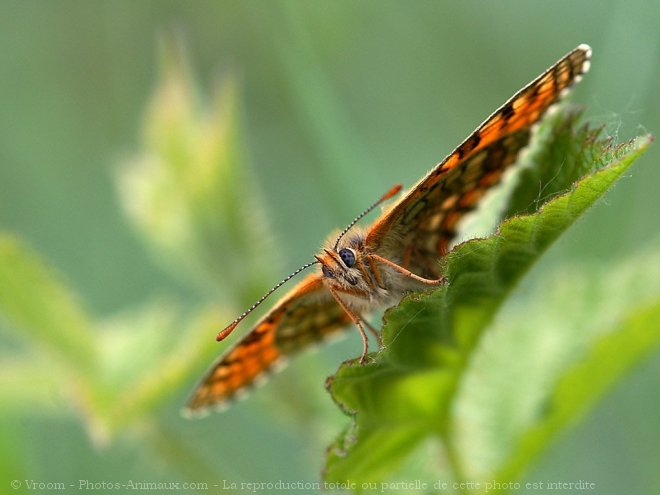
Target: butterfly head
x=339, y=266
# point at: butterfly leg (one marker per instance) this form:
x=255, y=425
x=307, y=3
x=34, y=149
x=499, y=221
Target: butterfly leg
x=357, y=320
x=375, y=271
x=374, y=331
x=360, y=266
x=370, y=327
x=405, y=272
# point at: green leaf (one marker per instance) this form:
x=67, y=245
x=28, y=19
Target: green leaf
x=113, y=375
x=28, y=383
x=609, y=357
x=408, y=392
x=560, y=153
x=549, y=356
x=40, y=308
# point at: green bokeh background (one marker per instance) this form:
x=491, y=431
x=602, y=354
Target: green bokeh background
x=339, y=101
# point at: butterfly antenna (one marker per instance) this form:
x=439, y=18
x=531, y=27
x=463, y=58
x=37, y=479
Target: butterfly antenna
x=230, y=328
x=384, y=197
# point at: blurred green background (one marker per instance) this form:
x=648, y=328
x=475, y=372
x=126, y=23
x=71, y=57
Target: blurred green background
x=335, y=102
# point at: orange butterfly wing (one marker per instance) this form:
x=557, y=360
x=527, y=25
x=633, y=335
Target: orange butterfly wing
x=419, y=228
x=307, y=314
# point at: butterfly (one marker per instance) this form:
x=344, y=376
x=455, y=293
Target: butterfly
x=364, y=268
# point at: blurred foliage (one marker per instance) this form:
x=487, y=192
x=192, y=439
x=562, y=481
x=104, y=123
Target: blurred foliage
x=315, y=109
x=183, y=193
x=409, y=391
x=105, y=376
x=188, y=190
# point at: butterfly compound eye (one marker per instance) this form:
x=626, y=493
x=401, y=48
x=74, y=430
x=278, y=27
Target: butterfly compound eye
x=347, y=256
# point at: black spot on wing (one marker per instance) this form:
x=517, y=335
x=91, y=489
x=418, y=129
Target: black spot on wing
x=470, y=144
x=507, y=111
